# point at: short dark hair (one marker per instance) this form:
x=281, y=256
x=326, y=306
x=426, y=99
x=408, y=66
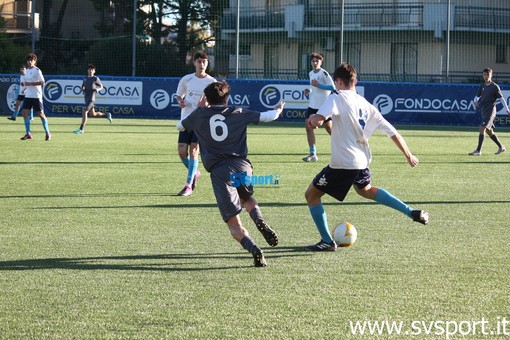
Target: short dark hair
x=316, y=55
x=346, y=73
x=91, y=66
x=487, y=70
x=32, y=56
x=200, y=55
x=217, y=92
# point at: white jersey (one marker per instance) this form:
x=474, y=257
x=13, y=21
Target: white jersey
x=22, y=88
x=318, y=95
x=354, y=121
x=191, y=88
x=34, y=75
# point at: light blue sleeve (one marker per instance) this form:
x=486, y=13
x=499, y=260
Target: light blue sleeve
x=326, y=87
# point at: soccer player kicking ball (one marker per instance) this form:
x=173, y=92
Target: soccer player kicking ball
x=221, y=132
x=354, y=121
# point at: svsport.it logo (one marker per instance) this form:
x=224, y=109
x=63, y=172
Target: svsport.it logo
x=383, y=103
x=269, y=96
x=53, y=91
x=159, y=99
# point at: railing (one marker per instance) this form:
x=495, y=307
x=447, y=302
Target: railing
x=482, y=18
x=370, y=16
x=366, y=15
x=454, y=77
x=258, y=18
x=16, y=22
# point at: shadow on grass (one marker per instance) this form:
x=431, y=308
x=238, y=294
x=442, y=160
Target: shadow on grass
x=271, y=204
x=168, y=262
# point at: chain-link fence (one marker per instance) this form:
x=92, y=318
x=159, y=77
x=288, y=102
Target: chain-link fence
x=388, y=40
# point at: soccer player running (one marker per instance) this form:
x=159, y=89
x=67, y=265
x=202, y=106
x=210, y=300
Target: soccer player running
x=354, y=121
x=322, y=85
x=485, y=100
x=34, y=82
x=189, y=92
x=90, y=86
x=221, y=132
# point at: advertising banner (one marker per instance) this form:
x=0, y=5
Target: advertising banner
x=155, y=98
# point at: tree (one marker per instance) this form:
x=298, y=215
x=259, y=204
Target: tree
x=11, y=55
x=54, y=51
x=194, y=22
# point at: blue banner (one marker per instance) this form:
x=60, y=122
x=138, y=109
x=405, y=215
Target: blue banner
x=154, y=98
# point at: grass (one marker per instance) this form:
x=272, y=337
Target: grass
x=96, y=244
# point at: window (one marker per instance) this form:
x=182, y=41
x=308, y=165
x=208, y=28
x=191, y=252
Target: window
x=501, y=54
x=404, y=62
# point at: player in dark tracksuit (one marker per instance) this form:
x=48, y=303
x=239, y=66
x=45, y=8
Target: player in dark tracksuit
x=221, y=132
x=486, y=97
x=90, y=86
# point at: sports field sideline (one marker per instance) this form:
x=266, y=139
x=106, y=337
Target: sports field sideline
x=95, y=243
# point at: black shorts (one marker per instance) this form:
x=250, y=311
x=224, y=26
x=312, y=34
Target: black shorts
x=33, y=103
x=228, y=189
x=311, y=111
x=338, y=182
x=187, y=137
x=89, y=106
x=21, y=97
x=488, y=120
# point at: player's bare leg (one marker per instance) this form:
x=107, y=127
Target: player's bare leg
x=310, y=137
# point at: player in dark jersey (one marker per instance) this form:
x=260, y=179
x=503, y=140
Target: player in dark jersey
x=90, y=86
x=221, y=132
x=486, y=97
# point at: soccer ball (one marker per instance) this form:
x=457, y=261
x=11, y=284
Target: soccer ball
x=345, y=234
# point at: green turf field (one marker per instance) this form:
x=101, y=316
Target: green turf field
x=95, y=243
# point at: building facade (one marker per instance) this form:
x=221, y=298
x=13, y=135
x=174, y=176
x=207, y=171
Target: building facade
x=387, y=40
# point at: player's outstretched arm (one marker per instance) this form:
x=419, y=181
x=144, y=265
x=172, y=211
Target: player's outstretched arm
x=268, y=116
x=402, y=146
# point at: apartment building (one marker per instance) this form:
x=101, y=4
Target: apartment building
x=387, y=40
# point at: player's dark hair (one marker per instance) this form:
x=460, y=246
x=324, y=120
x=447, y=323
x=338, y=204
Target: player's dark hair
x=487, y=70
x=217, y=93
x=346, y=73
x=91, y=66
x=200, y=55
x=316, y=55
x=32, y=56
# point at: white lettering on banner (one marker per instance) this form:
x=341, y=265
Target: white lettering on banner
x=435, y=105
x=293, y=95
x=432, y=105
x=114, y=92
x=236, y=100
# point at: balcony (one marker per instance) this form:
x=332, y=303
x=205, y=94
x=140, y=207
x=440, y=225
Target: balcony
x=373, y=16
x=18, y=22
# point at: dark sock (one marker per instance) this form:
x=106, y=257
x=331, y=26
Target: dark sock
x=255, y=214
x=481, y=137
x=81, y=127
x=248, y=244
x=496, y=140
